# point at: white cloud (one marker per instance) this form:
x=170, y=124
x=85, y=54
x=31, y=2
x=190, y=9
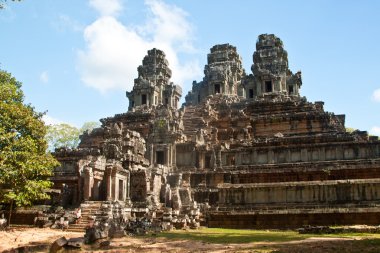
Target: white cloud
x=44, y=77
x=107, y=7
x=376, y=95
x=375, y=131
x=114, y=50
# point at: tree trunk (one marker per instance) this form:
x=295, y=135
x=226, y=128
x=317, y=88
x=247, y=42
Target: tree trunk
x=10, y=213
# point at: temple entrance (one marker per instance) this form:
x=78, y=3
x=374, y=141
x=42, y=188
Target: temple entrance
x=268, y=86
x=291, y=91
x=250, y=93
x=121, y=187
x=96, y=190
x=160, y=157
x=217, y=88
x=143, y=99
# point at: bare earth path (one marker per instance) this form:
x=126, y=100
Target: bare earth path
x=35, y=236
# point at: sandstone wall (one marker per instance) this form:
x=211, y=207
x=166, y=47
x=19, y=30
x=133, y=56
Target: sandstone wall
x=337, y=191
x=293, y=220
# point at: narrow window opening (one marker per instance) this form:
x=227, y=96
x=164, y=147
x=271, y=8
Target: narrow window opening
x=207, y=161
x=230, y=160
x=268, y=86
x=121, y=189
x=160, y=157
x=291, y=90
x=217, y=88
x=143, y=99
x=250, y=93
x=166, y=101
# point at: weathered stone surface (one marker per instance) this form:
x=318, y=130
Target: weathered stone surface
x=58, y=244
x=241, y=143
x=75, y=242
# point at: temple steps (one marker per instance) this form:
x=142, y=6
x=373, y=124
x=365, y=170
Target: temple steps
x=192, y=120
x=89, y=210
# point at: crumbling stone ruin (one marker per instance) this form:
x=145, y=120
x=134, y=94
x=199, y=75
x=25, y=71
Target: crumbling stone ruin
x=244, y=151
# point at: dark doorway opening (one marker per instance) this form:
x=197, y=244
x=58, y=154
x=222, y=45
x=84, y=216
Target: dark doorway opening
x=217, y=88
x=291, y=91
x=143, y=99
x=250, y=93
x=160, y=157
x=268, y=86
x=207, y=161
x=121, y=189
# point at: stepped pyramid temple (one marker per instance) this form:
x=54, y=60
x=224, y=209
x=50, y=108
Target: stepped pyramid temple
x=244, y=150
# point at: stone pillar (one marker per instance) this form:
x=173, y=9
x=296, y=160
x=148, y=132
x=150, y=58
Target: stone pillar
x=152, y=155
x=115, y=180
x=128, y=186
x=113, y=184
x=109, y=183
x=322, y=154
x=304, y=157
x=270, y=156
x=201, y=160
x=254, y=156
x=88, y=183
x=219, y=158
x=167, y=156
x=288, y=156
x=174, y=154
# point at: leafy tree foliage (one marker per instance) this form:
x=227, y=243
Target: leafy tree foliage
x=2, y=2
x=89, y=126
x=65, y=135
x=24, y=163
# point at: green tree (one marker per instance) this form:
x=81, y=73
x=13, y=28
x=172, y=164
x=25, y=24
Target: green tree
x=89, y=126
x=65, y=135
x=2, y=2
x=24, y=163
x=62, y=135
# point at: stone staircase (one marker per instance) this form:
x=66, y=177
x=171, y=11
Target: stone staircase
x=192, y=121
x=89, y=209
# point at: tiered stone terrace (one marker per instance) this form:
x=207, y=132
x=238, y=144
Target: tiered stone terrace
x=244, y=150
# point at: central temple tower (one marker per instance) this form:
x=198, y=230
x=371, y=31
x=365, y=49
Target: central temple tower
x=152, y=86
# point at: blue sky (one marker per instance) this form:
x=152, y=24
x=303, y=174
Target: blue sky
x=76, y=58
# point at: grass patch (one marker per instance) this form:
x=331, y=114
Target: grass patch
x=225, y=236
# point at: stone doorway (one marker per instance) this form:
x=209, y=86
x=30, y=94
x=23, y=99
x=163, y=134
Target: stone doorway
x=268, y=86
x=121, y=189
x=217, y=88
x=160, y=157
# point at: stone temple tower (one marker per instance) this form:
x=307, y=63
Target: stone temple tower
x=271, y=74
x=152, y=86
x=223, y=75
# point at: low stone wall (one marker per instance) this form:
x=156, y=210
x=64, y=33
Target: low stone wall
x=22, y=218
x=291, y=220
x=339, y=191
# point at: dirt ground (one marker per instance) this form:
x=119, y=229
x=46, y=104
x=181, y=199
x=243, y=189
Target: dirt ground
x=34, y=236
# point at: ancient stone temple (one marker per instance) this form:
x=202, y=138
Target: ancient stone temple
x=244, y=151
